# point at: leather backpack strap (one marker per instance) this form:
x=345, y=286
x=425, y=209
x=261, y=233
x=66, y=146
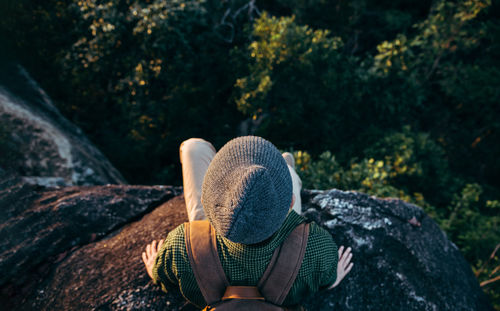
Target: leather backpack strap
x=284, y=266
x=201, y=246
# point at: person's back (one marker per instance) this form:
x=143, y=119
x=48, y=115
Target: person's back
x=247, y=197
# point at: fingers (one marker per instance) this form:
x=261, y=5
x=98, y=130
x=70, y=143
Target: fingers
x=346, y=259
x=148, y=250
x=342, y=253
x=347, y=252
x=144, y=258
x=344, y=264
x=152, y=250
x=348, y=268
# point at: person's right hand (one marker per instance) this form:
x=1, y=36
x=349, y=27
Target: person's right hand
x=344, y=265
x=149, y=256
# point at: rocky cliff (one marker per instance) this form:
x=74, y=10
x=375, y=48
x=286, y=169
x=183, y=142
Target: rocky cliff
x=37, y=142
x=79, y=248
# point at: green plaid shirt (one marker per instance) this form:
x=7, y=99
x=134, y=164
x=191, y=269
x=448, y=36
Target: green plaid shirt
x=245, y=264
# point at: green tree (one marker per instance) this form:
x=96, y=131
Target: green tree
x=451, y=63
x=298, y=83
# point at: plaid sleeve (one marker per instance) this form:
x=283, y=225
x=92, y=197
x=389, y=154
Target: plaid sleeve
x=330, y=264
x=319, y=267
x=172, y=268
x=163, y=270
x=326, y=252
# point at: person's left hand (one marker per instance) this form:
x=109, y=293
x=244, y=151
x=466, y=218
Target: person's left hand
x=344, y=265
x=149, y=256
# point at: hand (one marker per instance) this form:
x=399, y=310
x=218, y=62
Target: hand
x=149, y=256
x=344, y=265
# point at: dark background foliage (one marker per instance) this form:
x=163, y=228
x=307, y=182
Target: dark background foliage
x=394, y=98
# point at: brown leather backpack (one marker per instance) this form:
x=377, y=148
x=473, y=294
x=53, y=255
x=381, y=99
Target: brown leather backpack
x=271, y=289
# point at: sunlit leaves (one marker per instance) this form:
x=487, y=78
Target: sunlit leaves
x=294, y=72
x=278, y=41
x=391, y=52
x=444, y=32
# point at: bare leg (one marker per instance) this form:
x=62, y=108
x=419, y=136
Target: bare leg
x=196, y=155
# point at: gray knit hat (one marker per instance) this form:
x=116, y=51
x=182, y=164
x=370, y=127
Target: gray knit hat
x=247, y=190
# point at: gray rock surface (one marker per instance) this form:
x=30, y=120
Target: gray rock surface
x=40, y=225
x=109, y=274
x=402, y=259
x=37, y=141
x=92, y=239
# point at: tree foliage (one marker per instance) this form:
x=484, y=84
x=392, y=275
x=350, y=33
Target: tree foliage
x=295, y=74
x=393, y=98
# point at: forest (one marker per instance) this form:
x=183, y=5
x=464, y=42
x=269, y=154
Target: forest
x=392, y=98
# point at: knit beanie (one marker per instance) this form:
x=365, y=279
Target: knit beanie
x=247, y=190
